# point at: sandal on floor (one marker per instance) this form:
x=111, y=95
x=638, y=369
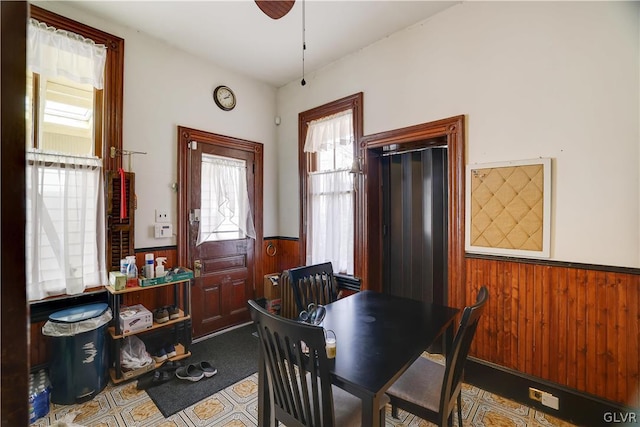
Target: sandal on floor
x=189, y=372
x=208, y=369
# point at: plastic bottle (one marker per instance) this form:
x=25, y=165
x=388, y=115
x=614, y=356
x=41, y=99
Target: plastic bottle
x=160, y=267
x=148, y=266
x=132, y=272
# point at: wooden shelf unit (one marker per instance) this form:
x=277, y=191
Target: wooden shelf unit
x=181, y=354
x=184, y=306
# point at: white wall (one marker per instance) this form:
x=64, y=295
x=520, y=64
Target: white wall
x=165, y=88
x=534, y=79
x=545, y=79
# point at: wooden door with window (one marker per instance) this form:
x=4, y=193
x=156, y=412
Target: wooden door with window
x=220, y=225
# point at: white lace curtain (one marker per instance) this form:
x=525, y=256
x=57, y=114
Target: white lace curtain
x=65, y=223
x=325, y=133
x=58, y=53
x=330, y=228
x=225, y=208
x=65, y=198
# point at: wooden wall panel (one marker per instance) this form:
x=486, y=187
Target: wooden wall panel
x=574, y=326
x=289, y=254
x=157, y=297
x=38, y=345
x=278, y=254
x=270, y=255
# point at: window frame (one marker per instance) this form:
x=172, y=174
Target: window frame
x=38, y=103
x=353, y=102
x=108, y=119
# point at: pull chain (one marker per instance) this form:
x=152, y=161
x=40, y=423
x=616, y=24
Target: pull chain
x=304, y=43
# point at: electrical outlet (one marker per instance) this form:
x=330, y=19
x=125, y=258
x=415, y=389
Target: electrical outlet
x=547, y=399
x=162, y=215
x=535, y=394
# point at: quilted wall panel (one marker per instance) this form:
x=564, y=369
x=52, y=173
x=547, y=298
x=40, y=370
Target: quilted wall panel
x=507, y=207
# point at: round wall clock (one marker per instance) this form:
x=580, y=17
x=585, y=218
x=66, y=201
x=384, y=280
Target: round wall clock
x=224, y=98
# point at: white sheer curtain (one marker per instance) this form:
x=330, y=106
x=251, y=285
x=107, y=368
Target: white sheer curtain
x=65, y=223
x=330, y=131
x=225, y=212
x=58, y=53
x=330, y=225
x=330, y=232
x=65, y=194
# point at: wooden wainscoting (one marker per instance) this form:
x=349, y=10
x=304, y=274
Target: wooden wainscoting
x=280, y=253
x=160, y=296
x=574, y=325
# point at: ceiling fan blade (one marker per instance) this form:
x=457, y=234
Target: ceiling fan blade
x=274, y=8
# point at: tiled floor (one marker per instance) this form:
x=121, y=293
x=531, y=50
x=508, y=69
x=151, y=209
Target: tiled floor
x=236, y=406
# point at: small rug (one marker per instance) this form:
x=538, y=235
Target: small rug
x=234, y=354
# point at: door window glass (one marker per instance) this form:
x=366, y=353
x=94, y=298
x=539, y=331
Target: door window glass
x=224, y=201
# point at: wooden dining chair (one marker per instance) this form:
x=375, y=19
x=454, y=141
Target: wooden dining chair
x=299, y=384
x=430, y=390
x=313, y=284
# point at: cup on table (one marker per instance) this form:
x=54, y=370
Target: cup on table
x=330, y=344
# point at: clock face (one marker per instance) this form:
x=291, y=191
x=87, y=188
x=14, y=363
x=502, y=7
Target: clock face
x=224, y=98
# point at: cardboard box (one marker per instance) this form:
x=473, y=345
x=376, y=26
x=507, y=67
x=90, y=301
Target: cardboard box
x=117, y=280
x=168, y=278
x=137, y=372
x=272, y=286
x=135, y=318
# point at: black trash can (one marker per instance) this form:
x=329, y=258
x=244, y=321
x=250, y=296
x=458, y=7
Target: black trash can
x=79, y=355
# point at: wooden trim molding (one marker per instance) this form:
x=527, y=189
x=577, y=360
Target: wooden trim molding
x=449, y=133
x=113, y=82
x=14, y=363
x=186, y=135
x=355, y=103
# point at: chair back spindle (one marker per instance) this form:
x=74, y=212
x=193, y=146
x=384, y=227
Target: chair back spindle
x=296, y=367
x=313, y=284
x=428, y=389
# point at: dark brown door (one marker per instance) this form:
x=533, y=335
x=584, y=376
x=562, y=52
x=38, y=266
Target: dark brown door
x=223, y=257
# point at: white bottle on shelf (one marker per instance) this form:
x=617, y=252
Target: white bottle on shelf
x=148, y=266
x=160, y=267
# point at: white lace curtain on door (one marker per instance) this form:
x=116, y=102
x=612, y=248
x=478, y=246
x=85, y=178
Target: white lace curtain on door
x=225, y=212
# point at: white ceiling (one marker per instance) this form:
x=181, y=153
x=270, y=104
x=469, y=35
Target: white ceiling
x=238, y=36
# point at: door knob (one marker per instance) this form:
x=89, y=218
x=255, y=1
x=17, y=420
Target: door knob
x=197, y=268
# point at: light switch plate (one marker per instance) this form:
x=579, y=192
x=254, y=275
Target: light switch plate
x=163, y=230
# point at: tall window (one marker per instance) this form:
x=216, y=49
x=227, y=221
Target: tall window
x=329, y=185
x=64, y=173
x=330, y=205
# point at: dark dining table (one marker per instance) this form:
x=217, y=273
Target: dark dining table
x=378, y=337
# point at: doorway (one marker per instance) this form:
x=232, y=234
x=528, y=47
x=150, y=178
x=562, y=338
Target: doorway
x=415, y=225
x=220, y=226
x=446, y=134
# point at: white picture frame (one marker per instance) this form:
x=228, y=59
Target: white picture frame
x=545, y=251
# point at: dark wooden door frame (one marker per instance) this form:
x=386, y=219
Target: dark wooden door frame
x=14, y=363
x=185, y=135
x=446, y=132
